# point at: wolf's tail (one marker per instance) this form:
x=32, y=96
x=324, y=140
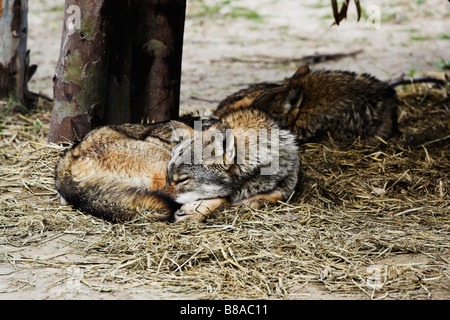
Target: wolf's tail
x=112, y=201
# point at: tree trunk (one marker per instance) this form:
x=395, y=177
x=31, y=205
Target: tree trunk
x=157, y=52
x=79, y=83
x=122, y=65
x=118, y=91
x=14, y=57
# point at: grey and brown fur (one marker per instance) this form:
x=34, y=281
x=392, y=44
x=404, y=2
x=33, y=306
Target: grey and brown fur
x=230, y=176
x=318, y=104
x=117, y=172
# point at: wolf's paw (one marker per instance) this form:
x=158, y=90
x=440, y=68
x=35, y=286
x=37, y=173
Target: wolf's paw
x=201, y=209
x=260, y=200
x=253, y=203
x=193, y=211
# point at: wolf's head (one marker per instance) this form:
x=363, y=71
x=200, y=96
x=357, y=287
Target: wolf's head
x=284, y=100
x=199, y=165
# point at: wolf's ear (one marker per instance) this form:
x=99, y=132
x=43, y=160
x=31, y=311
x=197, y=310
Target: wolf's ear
x=294, y=99
x=229, y=148
x=219, y=146
x=293, y=90
x=301, y=72
x=296, y=80
x=180, y=131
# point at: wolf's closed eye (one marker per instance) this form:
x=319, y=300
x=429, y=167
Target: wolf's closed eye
x=181, y=179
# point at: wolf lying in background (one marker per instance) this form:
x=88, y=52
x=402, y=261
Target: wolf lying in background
x=315, y=104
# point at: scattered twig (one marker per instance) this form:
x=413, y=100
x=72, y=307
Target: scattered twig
x=340, y=15
x=401, y=80
x=309, y=59
x=42, y=96
x=204, y=99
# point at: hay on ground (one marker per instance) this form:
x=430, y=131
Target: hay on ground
x=372, y=220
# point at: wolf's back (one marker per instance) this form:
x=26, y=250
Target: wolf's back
x=112, y=176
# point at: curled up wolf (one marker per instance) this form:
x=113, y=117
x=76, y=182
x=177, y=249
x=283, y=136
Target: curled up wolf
x=177, y=170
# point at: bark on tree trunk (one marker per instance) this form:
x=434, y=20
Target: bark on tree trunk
x=157, y=52
x=118, y=91
x=79, y=83
x=122, y=65
x=15, y=70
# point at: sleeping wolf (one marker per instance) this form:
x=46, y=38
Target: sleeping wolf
x=318, y=104
x=117, y=172
x=246, y=158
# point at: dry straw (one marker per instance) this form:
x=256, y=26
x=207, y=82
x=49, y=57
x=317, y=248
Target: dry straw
x=371, y=221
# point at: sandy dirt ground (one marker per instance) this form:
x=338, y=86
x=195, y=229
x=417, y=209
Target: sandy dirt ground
x=226, y=48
